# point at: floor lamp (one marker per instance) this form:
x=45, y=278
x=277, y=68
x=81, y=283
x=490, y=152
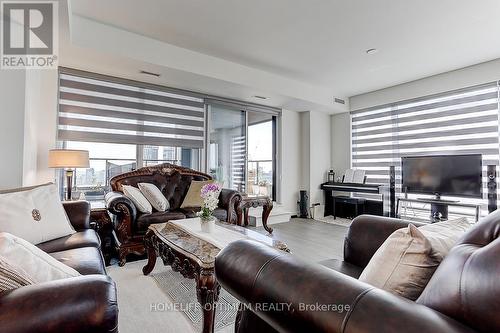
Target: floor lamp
x=68, y=159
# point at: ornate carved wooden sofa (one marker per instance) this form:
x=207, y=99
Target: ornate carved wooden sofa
x=173, y=181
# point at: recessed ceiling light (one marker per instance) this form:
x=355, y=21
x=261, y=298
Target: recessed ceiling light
x=260, y=97
x=371, y=51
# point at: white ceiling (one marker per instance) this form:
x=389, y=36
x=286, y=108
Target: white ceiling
x=317, y=41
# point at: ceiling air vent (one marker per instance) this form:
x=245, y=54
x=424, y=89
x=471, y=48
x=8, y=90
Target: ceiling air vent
x=338, y=100
x=260, y=97
x=150, y=73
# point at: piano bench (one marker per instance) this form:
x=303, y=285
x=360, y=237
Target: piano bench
x=359, y=204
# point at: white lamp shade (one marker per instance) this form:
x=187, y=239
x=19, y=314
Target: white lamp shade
x=68, y=158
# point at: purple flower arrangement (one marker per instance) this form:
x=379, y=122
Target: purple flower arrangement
x=210, y=194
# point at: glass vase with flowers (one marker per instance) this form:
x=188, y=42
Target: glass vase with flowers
x=210, y=195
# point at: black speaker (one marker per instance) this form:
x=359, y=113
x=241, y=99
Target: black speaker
x=303, y=204
x=491, y=175
x=392, y=190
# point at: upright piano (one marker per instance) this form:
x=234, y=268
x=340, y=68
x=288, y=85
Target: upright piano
x=374, y=207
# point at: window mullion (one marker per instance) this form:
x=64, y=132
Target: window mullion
x=140, y=156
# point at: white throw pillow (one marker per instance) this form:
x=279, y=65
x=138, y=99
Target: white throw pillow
x=12, y=276
x=35, y=214
x=405, y=262
x=154, y=196
x=139, y=200
x=38, y=265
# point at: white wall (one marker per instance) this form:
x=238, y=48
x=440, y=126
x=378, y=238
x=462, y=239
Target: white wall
x=315, y=156
x=341, y=143
x=40, y=125
x=320, y=152
x=31, y=127
x=12, y=92
x=291, y=157
x=461, y=78
x=28, y=127
x=305, y=156
x=305, y=144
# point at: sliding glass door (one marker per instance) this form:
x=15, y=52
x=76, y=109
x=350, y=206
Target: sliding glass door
x=227, y=146
x=242, y=149
x=261, y=152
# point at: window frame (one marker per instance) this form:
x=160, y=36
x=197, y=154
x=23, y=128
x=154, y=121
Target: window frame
x=201, y=160
x=276, y=152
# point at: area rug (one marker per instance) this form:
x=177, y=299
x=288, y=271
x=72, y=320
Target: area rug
x=338, y=221
x=183, y=292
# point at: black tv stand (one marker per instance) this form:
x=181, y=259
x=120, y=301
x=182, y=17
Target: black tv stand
x=439, y=207
x=438, y=200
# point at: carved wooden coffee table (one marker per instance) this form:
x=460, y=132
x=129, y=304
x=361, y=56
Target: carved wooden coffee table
x=254, y=201
x=194, y=258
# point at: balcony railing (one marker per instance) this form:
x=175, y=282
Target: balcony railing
x=260, y=181
x=94, y=181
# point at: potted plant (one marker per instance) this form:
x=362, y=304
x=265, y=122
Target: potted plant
x=210, y=195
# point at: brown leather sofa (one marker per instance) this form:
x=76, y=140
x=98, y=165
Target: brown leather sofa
x=130, y=226
x=462, y=296
x=85, y=303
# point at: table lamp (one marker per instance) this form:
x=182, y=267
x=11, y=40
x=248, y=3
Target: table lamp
x=68, y=159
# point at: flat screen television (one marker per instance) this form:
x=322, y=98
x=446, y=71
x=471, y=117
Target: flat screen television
x=453, y=175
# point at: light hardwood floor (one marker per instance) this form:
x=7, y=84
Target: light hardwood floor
x=311, y=240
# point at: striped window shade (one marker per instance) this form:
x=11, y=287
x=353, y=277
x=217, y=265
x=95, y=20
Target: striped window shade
x=238, y=156
x=458, y=122
x=98, y=108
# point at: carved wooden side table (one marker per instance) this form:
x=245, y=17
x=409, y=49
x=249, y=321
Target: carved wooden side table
x=101, y=222
x=254, y=201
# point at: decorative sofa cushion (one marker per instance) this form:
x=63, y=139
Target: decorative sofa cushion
x=154, y=196
x=141, y=203
x=12, y=276
x=405, y=262
x=35, y=214
x=193, y=197
x=38, y=265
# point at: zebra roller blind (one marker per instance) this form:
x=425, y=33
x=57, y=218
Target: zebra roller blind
x=238, y=159
x=100, y=108
x=458, y=122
